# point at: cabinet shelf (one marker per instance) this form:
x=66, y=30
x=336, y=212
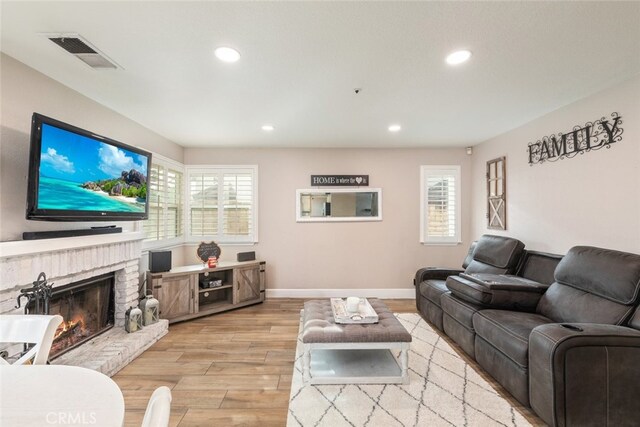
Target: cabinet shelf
x=217, y=288
x=215, y=305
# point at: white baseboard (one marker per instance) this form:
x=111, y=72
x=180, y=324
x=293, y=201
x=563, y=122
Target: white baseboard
x=407, y=293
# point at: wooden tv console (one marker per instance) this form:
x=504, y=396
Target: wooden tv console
x=182, y=296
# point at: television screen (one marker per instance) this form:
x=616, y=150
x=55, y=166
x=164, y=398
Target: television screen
x=77, y=175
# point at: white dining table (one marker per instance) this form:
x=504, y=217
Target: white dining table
x=45, y=395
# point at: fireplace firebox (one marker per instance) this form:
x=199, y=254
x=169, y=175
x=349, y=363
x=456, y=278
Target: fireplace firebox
x=87, y=309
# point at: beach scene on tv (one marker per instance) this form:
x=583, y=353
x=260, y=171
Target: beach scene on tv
x=85, y=174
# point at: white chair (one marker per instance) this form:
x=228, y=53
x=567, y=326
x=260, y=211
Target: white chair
x=158, y=409
x=29, y=328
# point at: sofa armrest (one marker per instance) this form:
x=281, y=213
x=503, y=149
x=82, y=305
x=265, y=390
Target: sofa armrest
x=497, y=291
x=584, y=374
x=435, y=273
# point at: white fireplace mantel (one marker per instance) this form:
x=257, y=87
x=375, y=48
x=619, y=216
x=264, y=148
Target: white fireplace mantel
x=21, y=248
x=71, y=259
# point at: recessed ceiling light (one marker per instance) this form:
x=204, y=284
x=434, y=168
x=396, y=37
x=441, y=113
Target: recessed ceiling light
x=268, y=128
x=227, y=54
x=395, y=128
x=458, y=57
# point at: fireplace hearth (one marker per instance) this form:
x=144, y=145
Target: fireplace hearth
x=87, y=309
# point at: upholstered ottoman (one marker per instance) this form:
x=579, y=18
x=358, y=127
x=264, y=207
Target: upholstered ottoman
x=353, y=354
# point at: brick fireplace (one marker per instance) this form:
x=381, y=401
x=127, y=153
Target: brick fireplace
x=71, y=260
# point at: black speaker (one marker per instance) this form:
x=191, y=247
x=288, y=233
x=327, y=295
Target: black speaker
x=246, y=256
x=35, y=235
x=159, y=261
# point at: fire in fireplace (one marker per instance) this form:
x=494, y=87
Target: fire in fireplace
x=87, y=308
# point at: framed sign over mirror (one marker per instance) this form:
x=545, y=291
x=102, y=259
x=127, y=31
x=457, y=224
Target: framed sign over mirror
x=497, y=194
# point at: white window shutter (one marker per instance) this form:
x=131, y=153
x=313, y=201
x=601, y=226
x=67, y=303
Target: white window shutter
x=174, y=213
x=238, y=204
x=203, y=203
x=164, y=191
x=155, y=191
x=222, y=203
x=440, y=204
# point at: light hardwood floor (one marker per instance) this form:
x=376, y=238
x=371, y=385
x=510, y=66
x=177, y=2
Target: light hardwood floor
x=232, y=368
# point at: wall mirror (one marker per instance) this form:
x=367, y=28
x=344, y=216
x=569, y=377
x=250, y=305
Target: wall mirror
x=496, y=194
x=350, y=204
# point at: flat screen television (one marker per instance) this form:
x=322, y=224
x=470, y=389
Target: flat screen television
x=76, y=175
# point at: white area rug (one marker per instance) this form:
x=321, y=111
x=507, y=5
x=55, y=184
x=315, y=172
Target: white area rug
x=444, y=391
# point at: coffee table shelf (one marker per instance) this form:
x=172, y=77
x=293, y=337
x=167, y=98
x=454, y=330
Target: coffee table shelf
x=349, y=366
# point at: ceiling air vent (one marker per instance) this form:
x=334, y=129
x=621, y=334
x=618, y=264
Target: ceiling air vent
x=81, y=49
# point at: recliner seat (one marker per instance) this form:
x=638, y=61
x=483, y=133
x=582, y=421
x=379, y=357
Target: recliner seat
x=490, y=254
x=572, y=360
x=458, y=311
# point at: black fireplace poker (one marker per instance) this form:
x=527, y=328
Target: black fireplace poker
x=39, y=294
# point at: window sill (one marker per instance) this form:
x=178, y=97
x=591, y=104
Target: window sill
x=441, y=243
x=220, y=243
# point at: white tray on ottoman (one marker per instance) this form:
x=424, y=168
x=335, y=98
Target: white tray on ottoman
x=353, y=354
x=365, y=313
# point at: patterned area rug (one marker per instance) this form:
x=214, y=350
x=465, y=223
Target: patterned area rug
x=444, y=391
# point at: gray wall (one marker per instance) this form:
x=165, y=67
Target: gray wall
x=591, y=199
x=351, y=255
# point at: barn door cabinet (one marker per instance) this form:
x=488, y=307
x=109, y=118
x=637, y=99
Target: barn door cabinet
x=193, y=291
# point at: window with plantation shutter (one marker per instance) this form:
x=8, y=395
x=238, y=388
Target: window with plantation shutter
x=222, y=204
x=173, y=204
x=440, y=204
x=203, y=204
x=237, y=195
x=165, y=202
x=155, y=190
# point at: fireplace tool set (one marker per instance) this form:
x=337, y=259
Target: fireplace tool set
x=39, y=294
x=37, y=297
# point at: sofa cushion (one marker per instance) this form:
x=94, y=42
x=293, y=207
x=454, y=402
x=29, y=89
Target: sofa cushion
x=508, y=331
x=460, y=310
x=609, y=274
x=469, y=257
x=539, y=266
x=433, y=289
x=457, y=321
x=562, y=303
x=480, y=267
x=498, y=251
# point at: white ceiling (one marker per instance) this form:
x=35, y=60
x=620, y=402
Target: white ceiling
x=301, y=61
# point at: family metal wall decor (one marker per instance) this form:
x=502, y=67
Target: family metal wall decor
x=592, y=136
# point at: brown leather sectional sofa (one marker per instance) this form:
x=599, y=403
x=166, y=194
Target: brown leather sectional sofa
x=561, y=334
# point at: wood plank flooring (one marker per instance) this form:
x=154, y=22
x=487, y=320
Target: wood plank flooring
x=232, y=368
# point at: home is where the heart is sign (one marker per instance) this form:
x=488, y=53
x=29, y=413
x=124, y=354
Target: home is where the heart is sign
x=339, y=180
